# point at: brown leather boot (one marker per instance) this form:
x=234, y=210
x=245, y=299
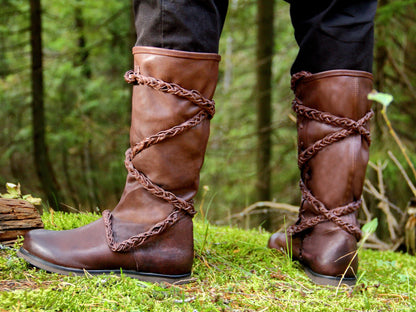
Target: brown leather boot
x=333, y=139
x=149, y=233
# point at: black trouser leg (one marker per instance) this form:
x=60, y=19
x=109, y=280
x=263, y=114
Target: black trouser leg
x=187, y=25
x=333, y=34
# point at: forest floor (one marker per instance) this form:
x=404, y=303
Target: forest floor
x=233, y=271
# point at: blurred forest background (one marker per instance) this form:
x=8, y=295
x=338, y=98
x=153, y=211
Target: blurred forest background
x=79, y=105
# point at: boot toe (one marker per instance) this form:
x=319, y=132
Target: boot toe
x=36, y=244
x=78, y=248
x=277, y=241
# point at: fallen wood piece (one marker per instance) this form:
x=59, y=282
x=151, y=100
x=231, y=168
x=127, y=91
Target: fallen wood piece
x=17, y=216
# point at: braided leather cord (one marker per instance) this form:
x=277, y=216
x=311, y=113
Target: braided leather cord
x=179, y=205
x=348, y=127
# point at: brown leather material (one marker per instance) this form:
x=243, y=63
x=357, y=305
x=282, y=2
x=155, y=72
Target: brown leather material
x=168, y=168
x=333, y=171
x=86, y=248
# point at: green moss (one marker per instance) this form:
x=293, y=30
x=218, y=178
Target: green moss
x=233, y=271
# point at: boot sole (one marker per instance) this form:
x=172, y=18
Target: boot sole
x=143, y=276
x=327, y=280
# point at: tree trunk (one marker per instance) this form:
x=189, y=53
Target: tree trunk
x=89, y=174
x=43, y=165
x=82, y=59
x=65, y=169
x=82, y=55
x=410, y=48
x=264, y=55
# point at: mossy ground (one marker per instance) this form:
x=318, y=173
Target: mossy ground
x=233, y=271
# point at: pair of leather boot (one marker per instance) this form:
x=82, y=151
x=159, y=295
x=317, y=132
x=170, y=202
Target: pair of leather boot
x=149, y=233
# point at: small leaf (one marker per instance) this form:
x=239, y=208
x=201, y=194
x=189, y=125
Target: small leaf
x=370, y=227
x=33, y=200
x=383, y=98
x=7, y=195
x=13, y=189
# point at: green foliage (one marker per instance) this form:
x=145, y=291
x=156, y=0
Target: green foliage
x=57, y=220
x=235, y=271
x=14, y=192
x=394, y=74
x=383, y=98
x=369, y=227
x=87, y=117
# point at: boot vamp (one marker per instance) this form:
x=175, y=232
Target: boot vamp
x=170, y=252
x=83, y=248
x=283, y=242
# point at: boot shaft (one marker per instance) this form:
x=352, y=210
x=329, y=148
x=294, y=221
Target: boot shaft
x=175, y=163
x=335, y=173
